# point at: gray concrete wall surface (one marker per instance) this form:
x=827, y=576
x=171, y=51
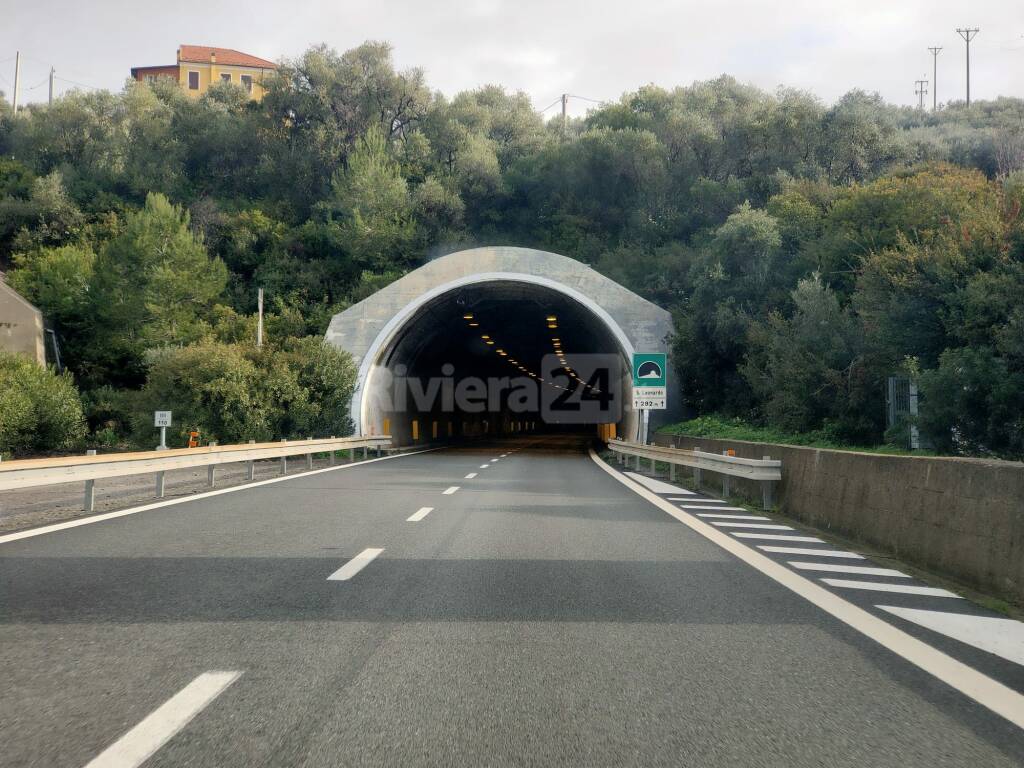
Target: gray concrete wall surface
x=21, y=325
x=961, y=518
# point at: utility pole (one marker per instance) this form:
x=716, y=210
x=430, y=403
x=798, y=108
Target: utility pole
x=921, y=89
x=17, y=79
x=935, y=77
x=968, y=34
x=565, y=104
x=50, y=102
x=259, y=322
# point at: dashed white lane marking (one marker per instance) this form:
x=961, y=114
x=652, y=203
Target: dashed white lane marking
x=999, y=698
x=471, y=475
x=493, y=460
x=355, y=565
x=808, y=551
x=732, y=517
x=657, y=486
x=450, y=490
x=691, y=507
x=419, y=514
x=904, y=589
x=860, y=570
x=484, y=466
x=777, y=537
x=764, y=526
x=1003, y=637
x=160, y=725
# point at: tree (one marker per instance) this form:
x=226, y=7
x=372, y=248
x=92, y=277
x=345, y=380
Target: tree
x=39, y=409
x=807, y=371
x=154, y=284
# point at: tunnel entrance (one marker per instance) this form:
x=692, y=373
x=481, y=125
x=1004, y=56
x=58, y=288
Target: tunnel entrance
x=497, y=357
x=497, y=341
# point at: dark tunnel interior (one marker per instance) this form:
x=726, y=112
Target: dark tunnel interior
x=494, y=358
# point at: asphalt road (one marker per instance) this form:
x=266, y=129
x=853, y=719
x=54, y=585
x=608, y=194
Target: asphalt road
x=541, y=614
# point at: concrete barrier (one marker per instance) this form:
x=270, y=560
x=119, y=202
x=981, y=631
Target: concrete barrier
x=962, y=518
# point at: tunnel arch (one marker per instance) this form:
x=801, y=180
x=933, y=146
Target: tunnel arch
x=397, y=325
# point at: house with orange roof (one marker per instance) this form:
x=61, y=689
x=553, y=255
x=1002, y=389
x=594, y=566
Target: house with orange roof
x=200, y=65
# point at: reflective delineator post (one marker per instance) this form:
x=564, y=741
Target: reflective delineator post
x=211, y=471
x=725, y=481
x=284, y=460
x=250, y=467
x=766, y=490
x=309, y=458
x=160, y=484
x=90, y=489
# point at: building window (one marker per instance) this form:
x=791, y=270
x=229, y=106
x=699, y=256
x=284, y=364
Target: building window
x=225, y=77
x=247, y=82
x=193, y=81
x=150, y=78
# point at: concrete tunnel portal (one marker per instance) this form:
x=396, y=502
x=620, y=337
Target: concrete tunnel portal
x=498, y=340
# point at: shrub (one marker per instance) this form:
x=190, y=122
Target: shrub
x=39, y=409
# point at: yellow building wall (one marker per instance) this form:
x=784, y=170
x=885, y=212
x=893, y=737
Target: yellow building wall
x=211, y=73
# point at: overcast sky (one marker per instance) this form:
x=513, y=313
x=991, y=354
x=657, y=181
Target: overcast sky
x=596, y=49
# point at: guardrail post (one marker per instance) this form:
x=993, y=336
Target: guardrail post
x=160, y=484
x=698, y=476
x=211, y=471
x=725, y=481
x=351, y=454
x=284, y=460
x=309, y=458
x=671, y=471
x=332, y=453
x=654, y=466
x=90, y=489
x=250, y=468
x=766, y=489
x=366, y=453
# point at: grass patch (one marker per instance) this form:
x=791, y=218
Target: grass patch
x=724, y=428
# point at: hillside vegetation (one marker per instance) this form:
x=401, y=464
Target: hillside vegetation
x=808, y=251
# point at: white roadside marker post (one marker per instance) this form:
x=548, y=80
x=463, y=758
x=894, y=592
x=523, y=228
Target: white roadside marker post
x=250, y=467
x=90, y=489
x=284, y=460
x=211, y=471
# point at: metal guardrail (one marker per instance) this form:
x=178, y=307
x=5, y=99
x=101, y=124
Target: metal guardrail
x=767, y=471
x=32, y=473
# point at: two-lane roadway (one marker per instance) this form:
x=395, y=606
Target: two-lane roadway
x=505, y=604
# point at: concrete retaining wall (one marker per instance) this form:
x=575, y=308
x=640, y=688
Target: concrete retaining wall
x=963, y=518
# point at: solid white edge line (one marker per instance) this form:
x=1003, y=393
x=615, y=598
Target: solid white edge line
x=184, y=499
x=419, y=514
x=159, y=726
x=990, y=693
x=449, y=490
x=355, y=565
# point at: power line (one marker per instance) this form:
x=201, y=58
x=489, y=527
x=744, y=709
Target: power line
x=968, y=34
x=549, y=106
x=73, y=82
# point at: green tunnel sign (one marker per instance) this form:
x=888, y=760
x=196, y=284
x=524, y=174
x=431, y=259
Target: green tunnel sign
x=649, y=369
x=649, y=390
